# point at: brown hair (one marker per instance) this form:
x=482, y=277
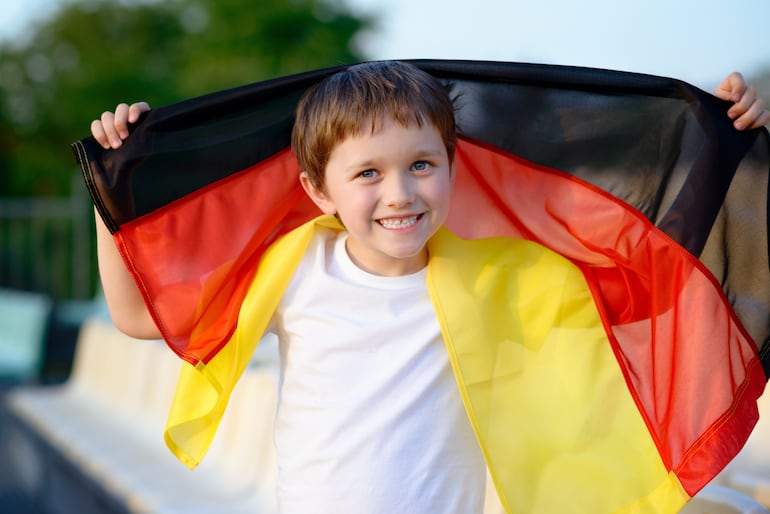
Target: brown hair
x=340, y=105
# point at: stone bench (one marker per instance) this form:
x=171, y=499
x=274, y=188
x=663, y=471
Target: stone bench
x=107, y=420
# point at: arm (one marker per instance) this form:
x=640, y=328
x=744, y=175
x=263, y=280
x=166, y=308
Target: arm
x=748, y=111
x=124, y=301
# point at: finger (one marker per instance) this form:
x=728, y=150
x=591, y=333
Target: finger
x=136, y=110
x=121, y=120
x=732, y=87
x=108, y=125
x=742, y=106
x=755, y=116
x=97, y=130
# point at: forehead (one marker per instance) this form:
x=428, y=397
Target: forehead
x=377, y=121
x=389, y=139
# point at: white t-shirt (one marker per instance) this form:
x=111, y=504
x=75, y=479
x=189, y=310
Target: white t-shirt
x=370, y=419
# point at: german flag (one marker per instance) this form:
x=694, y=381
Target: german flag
x=626, y=387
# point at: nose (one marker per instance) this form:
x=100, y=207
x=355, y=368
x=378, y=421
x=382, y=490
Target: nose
x=398, y=190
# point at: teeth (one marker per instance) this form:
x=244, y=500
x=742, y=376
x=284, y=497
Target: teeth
x=399, y=223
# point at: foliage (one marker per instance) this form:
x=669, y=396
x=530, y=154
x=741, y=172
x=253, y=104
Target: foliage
x=93, y=54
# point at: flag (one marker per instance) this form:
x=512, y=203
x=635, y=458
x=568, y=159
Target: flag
x=640, y=182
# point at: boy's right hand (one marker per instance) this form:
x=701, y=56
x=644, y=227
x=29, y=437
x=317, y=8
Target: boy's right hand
x=112, y=128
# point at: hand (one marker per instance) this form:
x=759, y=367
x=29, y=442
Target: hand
x=748, y=111
x=112, y=128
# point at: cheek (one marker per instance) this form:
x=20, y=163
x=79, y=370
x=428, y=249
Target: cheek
x=440, y=196
x=354, y=205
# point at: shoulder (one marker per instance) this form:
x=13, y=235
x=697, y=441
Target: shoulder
x=505, y=266
x=500, y=253
x=505, y=275
x=311, y=245
x=296, y=241
x=283, y=257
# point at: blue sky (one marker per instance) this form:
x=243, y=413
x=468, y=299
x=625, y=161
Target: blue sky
x=696, y=40
x=699, y=41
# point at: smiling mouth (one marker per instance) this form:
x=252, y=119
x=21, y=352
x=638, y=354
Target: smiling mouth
x=400, y=223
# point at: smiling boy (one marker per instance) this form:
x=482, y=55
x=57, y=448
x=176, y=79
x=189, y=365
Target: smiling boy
x=391, y=189
x=364, y=363
x=375, y=413
x=389, y=172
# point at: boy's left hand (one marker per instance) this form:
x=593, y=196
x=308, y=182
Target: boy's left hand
x=748, y=111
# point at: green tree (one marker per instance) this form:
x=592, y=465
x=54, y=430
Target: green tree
x=91, y=55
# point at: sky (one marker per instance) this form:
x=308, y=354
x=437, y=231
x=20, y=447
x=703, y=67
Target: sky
x=699, y=41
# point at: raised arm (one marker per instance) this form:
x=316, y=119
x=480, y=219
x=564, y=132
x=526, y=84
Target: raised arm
x=748, y=111
x=124, y=301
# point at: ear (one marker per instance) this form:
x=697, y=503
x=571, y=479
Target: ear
x=319, y=198
x=453, y=172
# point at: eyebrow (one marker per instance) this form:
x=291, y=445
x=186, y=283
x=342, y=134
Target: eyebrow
x=419, y=153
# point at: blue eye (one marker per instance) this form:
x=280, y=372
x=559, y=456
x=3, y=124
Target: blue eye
x=420, y=166
x=368, y=174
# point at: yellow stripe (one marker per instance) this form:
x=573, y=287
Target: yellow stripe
x=549, y=405
x=668, y=497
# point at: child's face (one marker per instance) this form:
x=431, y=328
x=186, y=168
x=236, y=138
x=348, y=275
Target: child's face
x=391, y=189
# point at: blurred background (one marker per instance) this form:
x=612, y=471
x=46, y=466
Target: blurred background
x=63, y=62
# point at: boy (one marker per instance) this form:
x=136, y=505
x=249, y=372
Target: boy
x=369, y=418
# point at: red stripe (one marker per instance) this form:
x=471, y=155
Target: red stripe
x=688, y=362
x=198, y=254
